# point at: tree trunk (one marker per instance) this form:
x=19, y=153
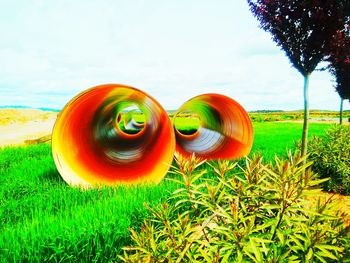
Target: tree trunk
x=306, y=115
x=341, y=111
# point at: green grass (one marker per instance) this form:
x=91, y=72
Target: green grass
x=272, y=138
x=43, y=219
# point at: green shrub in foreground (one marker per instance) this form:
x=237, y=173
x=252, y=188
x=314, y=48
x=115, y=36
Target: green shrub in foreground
x=256, y=212
x=331, y=158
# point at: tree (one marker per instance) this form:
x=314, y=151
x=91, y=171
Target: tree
x=341, y=73
x=339, y=66
x=303, y=29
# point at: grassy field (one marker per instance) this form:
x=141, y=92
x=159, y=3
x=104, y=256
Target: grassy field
x=43, y=219
x=260, y=116
x=263, y=116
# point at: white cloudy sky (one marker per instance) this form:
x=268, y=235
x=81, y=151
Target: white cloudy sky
x=173, y=49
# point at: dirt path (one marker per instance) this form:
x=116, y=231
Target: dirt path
x=20, y=125
x=18, y=133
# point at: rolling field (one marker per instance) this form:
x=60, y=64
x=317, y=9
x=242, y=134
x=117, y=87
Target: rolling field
x=43, y=219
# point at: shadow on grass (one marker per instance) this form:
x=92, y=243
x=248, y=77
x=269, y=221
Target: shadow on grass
x=52, y=175
x=188, y=132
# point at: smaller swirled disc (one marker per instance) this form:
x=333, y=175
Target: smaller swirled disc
x=97, y=139
x=225, y=130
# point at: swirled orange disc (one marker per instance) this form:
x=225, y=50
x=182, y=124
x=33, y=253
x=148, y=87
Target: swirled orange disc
x=112, y=134
x=225, y=130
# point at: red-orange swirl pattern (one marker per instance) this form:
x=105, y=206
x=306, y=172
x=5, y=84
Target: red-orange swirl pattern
x=90, y=148
x=225, y=130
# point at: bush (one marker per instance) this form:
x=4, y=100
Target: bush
x=256, y=212
x=331, y=157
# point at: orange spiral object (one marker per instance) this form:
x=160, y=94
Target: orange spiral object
x=91, y=147
x=225, y=130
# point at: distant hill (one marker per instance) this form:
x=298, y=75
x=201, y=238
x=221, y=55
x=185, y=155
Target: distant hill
x=14, y=107
x=49, y=109
x=171, y=112
x=266, y=111
x=27, y=107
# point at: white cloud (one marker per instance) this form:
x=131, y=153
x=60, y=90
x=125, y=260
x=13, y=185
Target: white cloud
x=174, y=50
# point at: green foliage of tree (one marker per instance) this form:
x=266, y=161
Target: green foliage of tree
x=303, y=29
x=339, y=66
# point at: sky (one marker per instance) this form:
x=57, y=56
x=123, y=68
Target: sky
x=172, y=49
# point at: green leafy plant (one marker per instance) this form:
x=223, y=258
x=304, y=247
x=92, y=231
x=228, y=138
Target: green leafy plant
x=331, y=158
x=253, y=212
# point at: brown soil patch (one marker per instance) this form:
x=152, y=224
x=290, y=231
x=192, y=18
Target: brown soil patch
x=21, y=126
x=341, y=203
